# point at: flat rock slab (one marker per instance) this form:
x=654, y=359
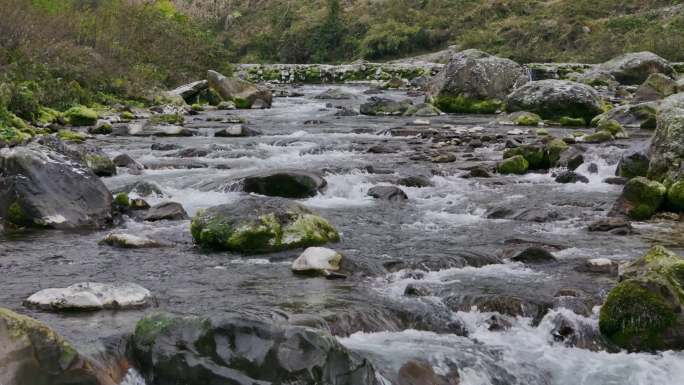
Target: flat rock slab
x=89, y=296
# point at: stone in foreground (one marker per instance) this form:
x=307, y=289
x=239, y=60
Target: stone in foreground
x=243, y=93
x=261, y=225
x=89, y=296
x=242, y=349
x=317, y=260
x=645, y=311
x=33, y=354
x=667, y=146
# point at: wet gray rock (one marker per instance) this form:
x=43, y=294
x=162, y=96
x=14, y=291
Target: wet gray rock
x=534, y=255
x=504, y=304
x=634, y=68
x=416, y=372
x=415, y=181
x=388, y=193
x=415, y=290
x=616, y=226
x=125, y=160
x=129, y=241
x=616, y=180
x=656, y=87
x=164, y=146
x=423, y=110
x=640, y=115
x=317, y=261
x=242, y=349
x=384, y=106
x=575, y=332
x=242, y=92
x=90, y=296
x=554, y=99
x=174, y=164
x=285, y=183
x=572, y=158
x=571, y=177
x=171, y=211
x=143, y=189
x=382, y=149
x=190, y=153
x=473, y=76
x=667, y=146
x=40, y=187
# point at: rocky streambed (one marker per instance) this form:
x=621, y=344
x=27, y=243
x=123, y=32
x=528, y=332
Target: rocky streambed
x=450, y=272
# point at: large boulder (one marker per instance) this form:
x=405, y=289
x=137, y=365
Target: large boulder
x=91, y=296
x=475, y=82
x=33, y=354
x=641, y=115
x=656, y=87
x=170, y=211
x=554, y=99
x=261, y=225
x=634, y=68
x=285, y=183
x=317, y=260
x=40, y=187
x=667, y=146
x=242, y=350
x=632, y=165
x=645, y=311
x=243, y=93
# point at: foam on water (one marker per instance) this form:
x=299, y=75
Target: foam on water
x=344, y=190
x=133, y=378
x=521, y=355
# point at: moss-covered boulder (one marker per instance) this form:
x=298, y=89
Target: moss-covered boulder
x=667, y=146
x=536, y=155
x=377, y=106
x=632, y=165
x=242, y=349
x=614, y=127
x=634, y=68
x=657, y=86
x=645, y=311
x=554, y=149
x=641, y=115
x=554, y=99
x=33, y=354
x=675, y=195
x=525, y=118
x=516, y=164
x=598, y=137
x=568, y=121
x=81, y=116
x=261, y=225
x=475, y=82
x=641, y=198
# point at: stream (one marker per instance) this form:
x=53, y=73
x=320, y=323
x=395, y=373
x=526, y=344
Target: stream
x=448, y=225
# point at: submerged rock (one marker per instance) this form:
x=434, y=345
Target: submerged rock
x=416, y=372
x=333, y=94
x=617, y=226
x=34, y=354
x=634, y=68
x=554, y=99
x=534, y=255
x=91, y=296
x=571, y=177
x=645, y=311
x=285, y=183
x=514, y=165
x=129, y=241
x=242, y=349
x=317, y=260
x=243, y=93
x=40, y=187
x=388, y=193
x=171, y=211
x=261, y=225
x=475, y=82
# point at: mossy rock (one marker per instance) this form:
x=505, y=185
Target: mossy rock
x=614, y=127
x=598, y=137
x=81, y=116
x=126, y=116
x=554, y=149
x=542, y=132
x=197, y=107
x=71, y=136
x=514, y=165
x=644, y=197
x=176, y=119
x=535, y=155
x=675, y=195
x=464, y=104
x=644, y=311
x=568, y=121
x=261, y=225
x=122, y=200
x=527, y=119
x=48, y=116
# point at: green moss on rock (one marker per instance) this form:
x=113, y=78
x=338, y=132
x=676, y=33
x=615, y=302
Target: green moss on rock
x=644, y=197
x=514, y=165
x=613, y=126
x=598, y=137
x=72, y=136
x=81, y=116
x=464, y=104
x=568, y=121
x=675, y=195
x=122, y=200
x=527, y=119
x=535, y=155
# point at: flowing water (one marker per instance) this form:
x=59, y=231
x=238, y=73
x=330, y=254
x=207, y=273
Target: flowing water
x=369, y=310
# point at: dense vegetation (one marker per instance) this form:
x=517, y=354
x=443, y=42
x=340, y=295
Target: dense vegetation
x=525, y=30
x=63, y=53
